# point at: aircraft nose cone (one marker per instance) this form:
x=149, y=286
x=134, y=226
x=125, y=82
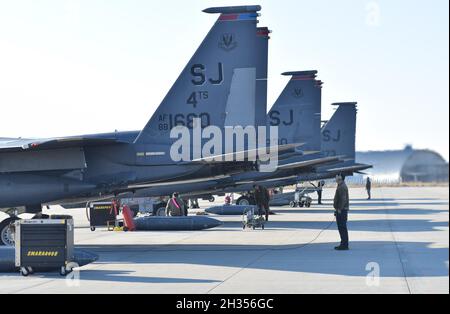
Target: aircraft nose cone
x=216, y=210
x=228, y=210
x=203, y=223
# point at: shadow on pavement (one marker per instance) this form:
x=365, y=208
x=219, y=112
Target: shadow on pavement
x=390, y=211
x=319, y=258
x=116, y=276
x=379, y=225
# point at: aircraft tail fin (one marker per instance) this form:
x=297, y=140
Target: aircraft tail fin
x=218, y=84
x=339, y=133
x=297, y=112
x=263, y=36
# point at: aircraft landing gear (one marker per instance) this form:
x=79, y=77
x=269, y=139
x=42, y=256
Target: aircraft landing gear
x=159, y=210
x=245, y=200
x=7, y=231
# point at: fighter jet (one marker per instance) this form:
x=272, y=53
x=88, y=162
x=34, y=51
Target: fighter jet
x=338, y=137
x=297, y=113
x=224, y=69
x=216, y=87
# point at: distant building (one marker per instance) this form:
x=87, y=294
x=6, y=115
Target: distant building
x=408, y=165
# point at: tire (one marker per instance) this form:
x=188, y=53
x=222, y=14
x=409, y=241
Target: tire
x=161, y=212
x=5, y=234
x=158, y=207
x=292, y=204
x=243, y=201
x=24, y=271
x=92, y=228
x=212, y=199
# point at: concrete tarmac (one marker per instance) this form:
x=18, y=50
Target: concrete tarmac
x=399, y=244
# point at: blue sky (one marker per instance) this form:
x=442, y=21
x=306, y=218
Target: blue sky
x=72, y=67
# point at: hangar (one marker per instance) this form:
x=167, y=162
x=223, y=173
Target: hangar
x=404, y=166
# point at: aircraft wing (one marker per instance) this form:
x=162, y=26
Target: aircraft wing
x=308, y=163
x=170, y=183
x=20, y=144
x=266, y=180
x=354, y=168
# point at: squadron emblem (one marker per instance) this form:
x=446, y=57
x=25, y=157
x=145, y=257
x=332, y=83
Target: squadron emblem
x=228, y=42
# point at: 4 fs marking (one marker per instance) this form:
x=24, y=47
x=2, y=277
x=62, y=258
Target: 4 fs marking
x=196, y=97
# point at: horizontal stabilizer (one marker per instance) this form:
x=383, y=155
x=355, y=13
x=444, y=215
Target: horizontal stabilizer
x=355, y=168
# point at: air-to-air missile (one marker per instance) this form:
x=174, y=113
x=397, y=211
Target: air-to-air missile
x=190, y=223
x=8, y=260
x=230, y=210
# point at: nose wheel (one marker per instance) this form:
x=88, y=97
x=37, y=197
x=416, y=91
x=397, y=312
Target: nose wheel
x=8, y=231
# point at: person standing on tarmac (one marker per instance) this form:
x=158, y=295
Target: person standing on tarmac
x=320, y=186
x=262, y=198
x=258, y=199
x=342, y=206
x=176, y=207
x=369, y=188
x=266, y=204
